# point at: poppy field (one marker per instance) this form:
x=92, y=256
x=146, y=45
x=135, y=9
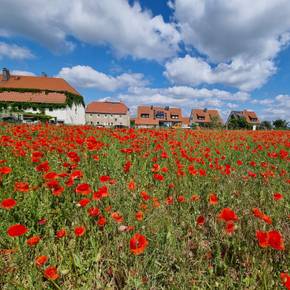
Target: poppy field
x=91, y=208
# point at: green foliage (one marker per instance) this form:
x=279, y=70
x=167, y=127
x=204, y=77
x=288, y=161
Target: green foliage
x=280, y=124
x=70, y=100
x=265, y=125
x=238, y=123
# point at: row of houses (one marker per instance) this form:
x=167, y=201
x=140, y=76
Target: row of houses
x=33, y=97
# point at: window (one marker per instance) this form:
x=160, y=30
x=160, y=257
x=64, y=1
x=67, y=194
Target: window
x=91, y=115
x=159, y=115
x=34, y=109
x=116, y=119
x=106, y=116
x=253, y=119
x=144, y=115
x=98, y=123
x=50, y=109
x=174, y=116
x=98, y=115
x=201, y=118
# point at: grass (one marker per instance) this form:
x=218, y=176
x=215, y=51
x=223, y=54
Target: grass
x=180, y=253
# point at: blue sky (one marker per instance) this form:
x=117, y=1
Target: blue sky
x=227, y=55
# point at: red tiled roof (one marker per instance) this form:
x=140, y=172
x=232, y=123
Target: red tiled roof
x=207, y=114
x=151, y=111
x=37, y=82
x=249, y=116
x=107, y=107
x=50, y=98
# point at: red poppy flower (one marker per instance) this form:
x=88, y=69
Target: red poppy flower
x=83, y=188
x=200, y=220
x=138, y=244
x=285, y=280
x=229, y=227
x=8, y=203
x=21, y=186
x=275, y=240
x=40, y=260
x=169, y=200
x=61, y=233
x=80, y=231
x=83, y=202
x=227, y=215
x=104, y=178
x=181, y=198
x=5, y=170
x=158, y=177
x=93, y=211
x=17, y=230
x=271, y=239
x=101, y=221
x=262, y=238
x=131, y=185
x=144, y=195
x=33, y=241
x=139, y=215
x=277, y=196
x=51, y=273
x=213, y=199
x=117, y=217
x=195, y=197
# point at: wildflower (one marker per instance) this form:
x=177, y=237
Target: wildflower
x=51, y=273
x=21, y=186
x=230, y=227
x=139, y=215
x=200, y=221
x=80, y=231
x=61, y=233
x=17, y=230
x=138, y=244
x=8, y=203
x=117, y=217
x=33, y=241
x=271, y=239
x=213, y=199
x=83, y=188
x=83, y=202
x=131, y=185
x=285, y=280
x=93, y=211
x=40, y=260
x=101, y=221
x=277, y=196
x=227, y=215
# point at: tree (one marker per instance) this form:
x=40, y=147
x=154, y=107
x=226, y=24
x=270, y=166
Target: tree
x=215, y=123
x=238, y=123
x=280, y=124
x=266, y=125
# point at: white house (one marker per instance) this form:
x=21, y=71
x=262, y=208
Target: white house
x=41, y=97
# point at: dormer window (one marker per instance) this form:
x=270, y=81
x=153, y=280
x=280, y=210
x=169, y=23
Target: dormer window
x=200, y=118
x=174, y=116
x=144, y=115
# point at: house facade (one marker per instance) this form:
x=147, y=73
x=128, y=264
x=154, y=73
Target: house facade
x=36, y=97
x=204, y=117
x=108, y=114
x=250, y=117
x=151, y=116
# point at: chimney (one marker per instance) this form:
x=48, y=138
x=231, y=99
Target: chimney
x=6, y=74
x=43, y=74
x=205, y=110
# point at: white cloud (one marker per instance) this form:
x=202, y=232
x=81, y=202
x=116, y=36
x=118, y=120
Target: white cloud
x=184, y=97
x=22, y=73
x=241, y=74
x=239, y=40
x=87, y=77
x=276, y=108
x=128, y=29
x=14, y=51
x=225, y=29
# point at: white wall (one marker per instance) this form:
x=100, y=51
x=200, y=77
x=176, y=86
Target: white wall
x=74, y=115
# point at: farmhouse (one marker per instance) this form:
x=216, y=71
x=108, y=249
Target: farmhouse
x=251, y=118
x=205, y=117
x=40, y=98
x=108, y=114
x=150, y=116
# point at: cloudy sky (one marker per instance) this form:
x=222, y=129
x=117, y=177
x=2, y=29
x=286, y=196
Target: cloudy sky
x=228, y=55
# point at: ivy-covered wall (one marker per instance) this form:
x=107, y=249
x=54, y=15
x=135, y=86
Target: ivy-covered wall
x=70, y=100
